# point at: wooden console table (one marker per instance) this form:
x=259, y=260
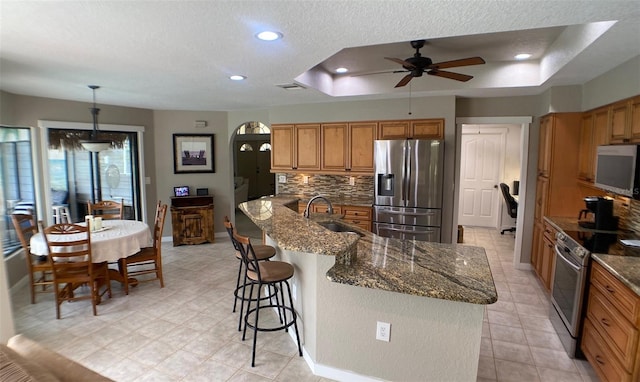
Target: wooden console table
x=192, y=220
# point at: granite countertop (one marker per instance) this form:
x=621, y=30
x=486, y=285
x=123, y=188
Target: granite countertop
x=622, y=261
x=444, y=271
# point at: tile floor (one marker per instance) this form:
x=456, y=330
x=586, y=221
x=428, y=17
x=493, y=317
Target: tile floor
x=187, y=332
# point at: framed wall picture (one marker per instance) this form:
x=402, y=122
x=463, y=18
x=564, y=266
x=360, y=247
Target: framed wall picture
x=193, y=153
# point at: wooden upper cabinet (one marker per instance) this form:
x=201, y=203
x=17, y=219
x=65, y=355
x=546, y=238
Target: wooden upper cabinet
x=544, y=149
x=620, y=130
x=295, y=147
x=585, y=151
x=360, y=152
x=411, y=129
x=307, y=147
x=282, y=147
x=334, y=146
x=428, y=129
x=393, y=130
x=634, y=117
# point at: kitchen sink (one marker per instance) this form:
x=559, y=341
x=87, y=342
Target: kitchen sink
x=337, y=227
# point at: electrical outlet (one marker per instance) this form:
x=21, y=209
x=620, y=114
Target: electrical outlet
x=305, y=179
x=282, y=179
x=352, y=180
x=383, y=331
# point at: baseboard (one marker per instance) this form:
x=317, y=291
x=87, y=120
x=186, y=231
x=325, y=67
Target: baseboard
x=20, y=284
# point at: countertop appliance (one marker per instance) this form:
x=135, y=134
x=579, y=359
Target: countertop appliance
x=568, y=292
x=408, y=189
x=601, y=208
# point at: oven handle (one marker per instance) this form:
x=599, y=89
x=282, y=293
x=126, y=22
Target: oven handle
x=569, y=262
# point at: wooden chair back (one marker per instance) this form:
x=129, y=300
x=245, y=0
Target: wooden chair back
x=25, y=226
x=38, y=266
x=248, y=254
x=107, y=209
x=70, y=257
x=158, y=225
x=72, y=266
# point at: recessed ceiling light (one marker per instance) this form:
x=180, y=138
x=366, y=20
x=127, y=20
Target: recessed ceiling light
x=522, y=56
x=269, y=36
x=342, y=70
x=237, y=77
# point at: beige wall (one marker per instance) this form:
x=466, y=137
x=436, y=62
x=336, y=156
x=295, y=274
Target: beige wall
x=619, y=83
x=168, y=122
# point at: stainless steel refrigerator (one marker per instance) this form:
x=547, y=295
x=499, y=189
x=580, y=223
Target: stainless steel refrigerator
x=408, y=189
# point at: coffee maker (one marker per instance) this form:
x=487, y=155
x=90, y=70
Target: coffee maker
x=598, y=214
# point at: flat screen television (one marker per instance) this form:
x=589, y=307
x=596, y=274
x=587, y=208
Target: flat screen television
x=617, y=170
x=181, y=191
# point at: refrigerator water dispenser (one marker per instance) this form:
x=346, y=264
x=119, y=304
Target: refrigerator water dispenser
x=385, y=184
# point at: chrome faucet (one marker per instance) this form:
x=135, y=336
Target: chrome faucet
x=306, y=210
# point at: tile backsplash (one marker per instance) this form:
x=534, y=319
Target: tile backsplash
x=330, y=185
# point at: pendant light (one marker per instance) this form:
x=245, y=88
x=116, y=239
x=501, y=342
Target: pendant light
x=94, y=144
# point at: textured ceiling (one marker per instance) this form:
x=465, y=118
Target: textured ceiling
x=177, y=55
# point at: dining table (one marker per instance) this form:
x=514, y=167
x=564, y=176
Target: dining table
x=117, y=239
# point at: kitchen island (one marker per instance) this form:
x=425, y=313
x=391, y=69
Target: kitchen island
x=433, y=295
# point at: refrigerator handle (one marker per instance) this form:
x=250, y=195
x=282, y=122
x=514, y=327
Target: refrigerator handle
x=408, y=177
x=403, y=191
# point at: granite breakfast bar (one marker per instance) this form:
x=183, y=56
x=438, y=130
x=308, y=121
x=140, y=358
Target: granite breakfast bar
x=432, y=294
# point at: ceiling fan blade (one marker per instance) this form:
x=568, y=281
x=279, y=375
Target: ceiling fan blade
x=377, y=72
x=455, y=63
x=405, y=80
x=450, y=75
x=401, y=62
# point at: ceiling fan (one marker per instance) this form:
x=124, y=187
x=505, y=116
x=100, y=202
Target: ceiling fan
x=417, y=65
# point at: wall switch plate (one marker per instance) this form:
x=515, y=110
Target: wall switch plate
x=352, y=180
x=282, y=179
x=305, y=179
x=383, y=331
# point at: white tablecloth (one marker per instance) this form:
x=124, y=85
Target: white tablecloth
x=119, y=239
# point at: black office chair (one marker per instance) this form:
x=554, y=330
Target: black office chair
x=512, y=206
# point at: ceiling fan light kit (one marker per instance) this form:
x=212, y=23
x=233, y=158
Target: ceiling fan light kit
x=417, y=65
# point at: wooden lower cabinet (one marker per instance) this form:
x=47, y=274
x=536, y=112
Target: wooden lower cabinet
x=611, y=328
x=360, y=216
x=192, y=220
x=543, y=256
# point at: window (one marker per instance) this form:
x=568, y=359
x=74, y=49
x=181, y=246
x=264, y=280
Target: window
x=265, y=147
x=16, y=181
x=77, y=176
x=253, y=128
x=246, y=147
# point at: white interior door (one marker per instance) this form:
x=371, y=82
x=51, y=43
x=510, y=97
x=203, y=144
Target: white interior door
x=481, y=161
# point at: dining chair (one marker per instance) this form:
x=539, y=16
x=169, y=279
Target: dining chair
x=71, y=262
x=107, y=209
x=141, y=261
x=262, y=252
x=38, y=267
x=266, y=273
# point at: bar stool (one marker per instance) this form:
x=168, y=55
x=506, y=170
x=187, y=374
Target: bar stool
x=263, y=253
x=266, y=273
x=61, y=214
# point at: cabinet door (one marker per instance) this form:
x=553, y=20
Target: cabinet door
x=282, y=147
x=542, y=190
x=619, y=131
x=536, y=246
x=361, y=137
x=428, y=129
x=635, y=119
x=586, y=154
x=544, y=149
x=307, y=147
x=548, y=255
x=334, y=146
x=393, y=130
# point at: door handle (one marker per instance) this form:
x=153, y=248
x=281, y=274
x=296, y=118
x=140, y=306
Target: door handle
x=495, y=186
